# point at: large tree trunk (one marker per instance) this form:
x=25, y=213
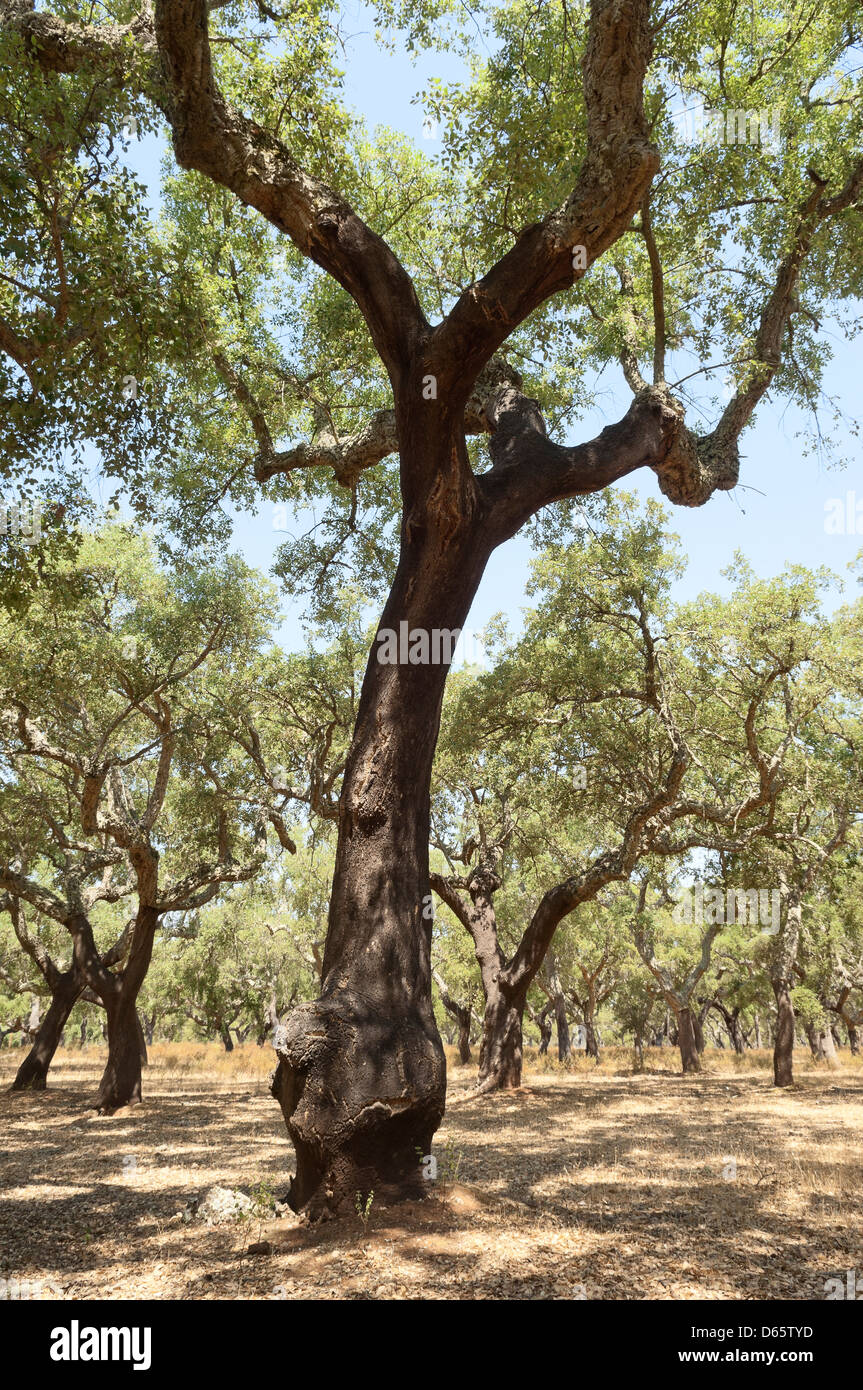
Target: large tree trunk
x=121, y=1079
x=32, y=1074
x=591, y=1044
x=361, y=1078
x=853, y=1039
x=227, y=1040
x=500, y=1053
x=687, y=1040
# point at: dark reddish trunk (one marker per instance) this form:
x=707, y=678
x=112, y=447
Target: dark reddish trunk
x=370, y=1042
x=783, y=1044
x=121, y=1079
x=32, y=1074
x=687, y=1041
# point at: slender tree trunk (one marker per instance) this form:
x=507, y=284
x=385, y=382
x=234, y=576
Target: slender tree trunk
x=698, y=1029
x=545, y=1029
x=687, y=1041
x=371, y=1040
x=564, y=1045
x=32, y=1074
x=781, y=980
x=757, y=1031
x=853, y=1039
x=464, y=1052
x=783, y=1046
x=227, y=1040
x=461, y=1013
x=591, y=1045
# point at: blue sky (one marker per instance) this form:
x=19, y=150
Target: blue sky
x=778, y=514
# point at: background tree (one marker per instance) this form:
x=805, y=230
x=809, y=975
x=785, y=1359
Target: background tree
x=98, y=713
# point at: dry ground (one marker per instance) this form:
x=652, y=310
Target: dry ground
x=590, y=1182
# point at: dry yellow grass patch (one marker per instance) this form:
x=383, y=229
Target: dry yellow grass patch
x=587, y=1182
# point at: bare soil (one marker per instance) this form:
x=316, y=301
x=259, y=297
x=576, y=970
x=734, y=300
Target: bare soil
x=586, y=1183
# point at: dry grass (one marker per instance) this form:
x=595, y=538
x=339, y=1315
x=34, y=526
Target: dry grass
x=590, y=1180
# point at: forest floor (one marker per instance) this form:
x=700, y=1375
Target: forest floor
x=586, y=1183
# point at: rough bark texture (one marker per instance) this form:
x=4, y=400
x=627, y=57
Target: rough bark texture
x=501, y=1049
x=371, y=1037
x=783, y=1043
x=121, y=1079
x=687, y=1041
x=360, y=1075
